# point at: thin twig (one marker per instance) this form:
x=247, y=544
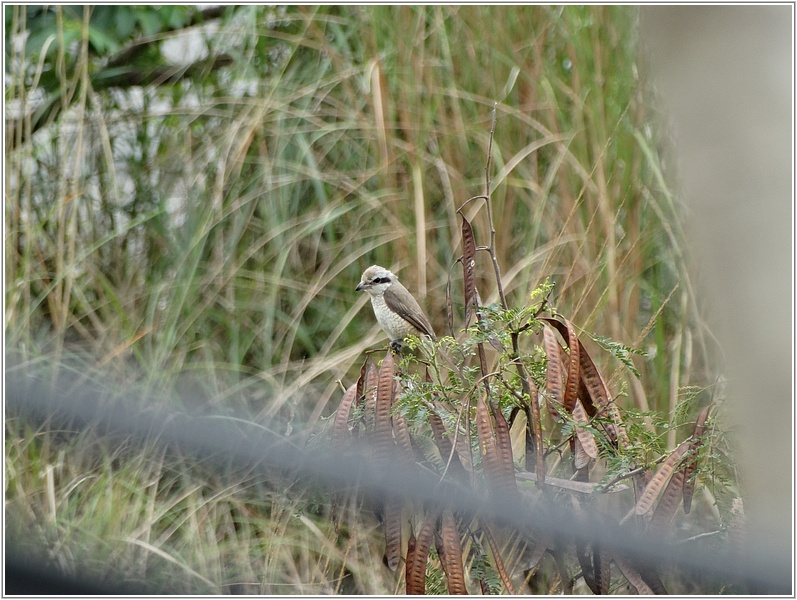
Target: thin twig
x=698, y=536
x=633, y=472
x=490, y=153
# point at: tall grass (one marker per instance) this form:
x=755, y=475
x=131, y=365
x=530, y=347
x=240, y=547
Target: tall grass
x=209, y=239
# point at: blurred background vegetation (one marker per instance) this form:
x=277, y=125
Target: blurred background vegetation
x=193, y=193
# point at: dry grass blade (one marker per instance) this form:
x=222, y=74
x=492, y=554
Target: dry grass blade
x=667, y=505
x=451, y=556
x=585, y=437
x=655, y=485
x=633, y=577
x=449, y=308
x=689, y=469
x=553, y=373
x=417, y=555
x=498, y=562
x=468, y=268
x=392, y=517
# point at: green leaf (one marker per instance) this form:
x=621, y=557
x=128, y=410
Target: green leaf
x=150, y=20
x=101, y=41
x=619, y=351
x=125, y=21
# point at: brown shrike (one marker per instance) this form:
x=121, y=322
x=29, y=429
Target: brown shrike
x=398, y=313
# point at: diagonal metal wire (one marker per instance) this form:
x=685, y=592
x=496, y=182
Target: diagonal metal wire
x=228, y=441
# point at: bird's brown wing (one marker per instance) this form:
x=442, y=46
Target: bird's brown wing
x=408, y=309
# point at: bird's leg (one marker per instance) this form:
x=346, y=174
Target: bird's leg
x=395, y=346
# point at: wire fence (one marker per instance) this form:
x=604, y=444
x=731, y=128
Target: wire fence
x=223, y=441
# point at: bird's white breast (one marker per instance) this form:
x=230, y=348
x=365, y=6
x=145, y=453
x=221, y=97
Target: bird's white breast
x=393, y=325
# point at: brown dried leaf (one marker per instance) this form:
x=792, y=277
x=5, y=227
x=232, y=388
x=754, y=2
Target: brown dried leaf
x=340, y=426
x=496, y=447
x=536, y=424
x=580, y=458
x=444, y=444
x=498, y=562
x=468, y=268
x=615, y=430
x=417, y=555
x=400, y=429
x=689, y=468
x=737, y=529
x=371, y=379
x=595, y=568
x=554, y=407
x=633, y=576
x=439, y=434
x=585, y=437
x=503, y=443
x=667, y=505
x=538, y=552
x=491, y=460
x=383, y=430
x=464, y=451
x=700, y=424
x=361, y=379
x=451, y=557
x=408, y=565
x=586, y=567
x=553, y=373
x=654, y=486
x=601, y=569
x=402, y=434
x=392, y=522
x=339, y=435
x=573, y=368
x=486, y=433
x=591, y=389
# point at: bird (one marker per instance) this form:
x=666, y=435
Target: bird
x=397, y=312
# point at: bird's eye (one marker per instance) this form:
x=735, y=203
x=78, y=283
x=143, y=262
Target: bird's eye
x=381, y=279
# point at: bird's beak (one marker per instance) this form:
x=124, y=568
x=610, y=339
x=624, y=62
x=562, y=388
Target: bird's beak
x=359, y=287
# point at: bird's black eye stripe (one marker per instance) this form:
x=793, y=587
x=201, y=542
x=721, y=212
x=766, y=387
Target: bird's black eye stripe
x=381, y=280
